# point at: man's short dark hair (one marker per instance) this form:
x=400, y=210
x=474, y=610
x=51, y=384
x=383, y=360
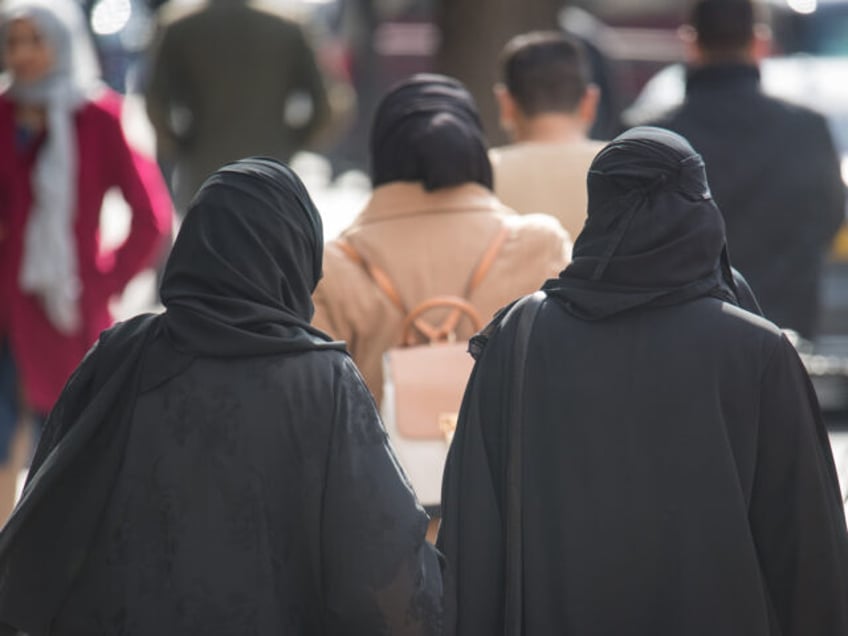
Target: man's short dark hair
x=723, y=26
x=545, y=71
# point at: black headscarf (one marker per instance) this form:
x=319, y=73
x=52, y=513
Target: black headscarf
x=238, y=283
x=427, y=129
x=240, y=278
x=653, y=235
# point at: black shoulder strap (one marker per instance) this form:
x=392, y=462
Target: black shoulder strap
x=526, y=311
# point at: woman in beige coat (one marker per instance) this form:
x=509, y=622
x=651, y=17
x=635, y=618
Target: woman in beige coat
x=428, y=223
x=432, y=228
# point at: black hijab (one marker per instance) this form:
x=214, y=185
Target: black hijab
x=238, y=283
x=653, y=235
x=240, y=278
x=427, y=129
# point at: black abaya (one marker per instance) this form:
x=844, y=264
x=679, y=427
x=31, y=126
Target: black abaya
x=221, y=468
x=677, y=475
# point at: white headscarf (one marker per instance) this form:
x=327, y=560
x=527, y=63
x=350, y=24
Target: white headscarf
x=49, y=267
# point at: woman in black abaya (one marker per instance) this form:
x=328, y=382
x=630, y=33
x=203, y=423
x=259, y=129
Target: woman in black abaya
x=675, y=475
x=220, y=468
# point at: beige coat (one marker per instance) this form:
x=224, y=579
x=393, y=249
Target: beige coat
x=546, y=177
x=429, y=244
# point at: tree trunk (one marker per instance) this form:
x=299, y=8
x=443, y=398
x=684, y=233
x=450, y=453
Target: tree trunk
x=473, y=34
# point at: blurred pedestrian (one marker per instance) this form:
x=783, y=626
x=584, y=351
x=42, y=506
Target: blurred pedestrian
x=229, y=79
x=471, y=35
x=430, y=217
x=594, y=35
x=430, y=226
x=220, y=468
x=63, y=149
x=774, y=169
x=547, y=105
x=641, y=455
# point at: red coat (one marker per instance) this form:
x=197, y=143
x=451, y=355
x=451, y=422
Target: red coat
x=44, y=357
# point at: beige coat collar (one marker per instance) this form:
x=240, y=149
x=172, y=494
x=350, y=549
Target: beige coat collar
x=402, y=199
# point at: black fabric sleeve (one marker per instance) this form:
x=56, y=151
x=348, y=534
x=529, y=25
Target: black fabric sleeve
x=66, y=411
x=49, y=535
x=796, y=512
x=379, y=574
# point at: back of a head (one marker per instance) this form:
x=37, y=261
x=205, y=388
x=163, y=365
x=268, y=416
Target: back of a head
x=649, y=199
x=653, y=234
x=252, y=234
x=427, y=130
x=240, y=276
x=645, y=161
x=723, y=27
x=545, y=72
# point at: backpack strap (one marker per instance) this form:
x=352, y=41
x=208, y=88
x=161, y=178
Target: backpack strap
x=449, y=324
x=413, y=321
x=487, y=260
x=377, y=274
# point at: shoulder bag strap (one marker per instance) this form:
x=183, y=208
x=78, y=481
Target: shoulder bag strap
x=526, y=310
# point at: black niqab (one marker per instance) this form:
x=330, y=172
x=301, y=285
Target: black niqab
x=241, y=275
x=427, y=129
x=653, y=235
x=675, y=473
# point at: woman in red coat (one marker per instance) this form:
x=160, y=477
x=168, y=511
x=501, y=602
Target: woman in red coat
x=62, y=149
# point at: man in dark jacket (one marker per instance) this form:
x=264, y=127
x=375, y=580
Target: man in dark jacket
x=230, y=79
x=772, y=166
x=664, y=470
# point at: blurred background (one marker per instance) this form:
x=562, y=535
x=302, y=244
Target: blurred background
x=367, y=45
x=364, y=46
x=370, y=44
